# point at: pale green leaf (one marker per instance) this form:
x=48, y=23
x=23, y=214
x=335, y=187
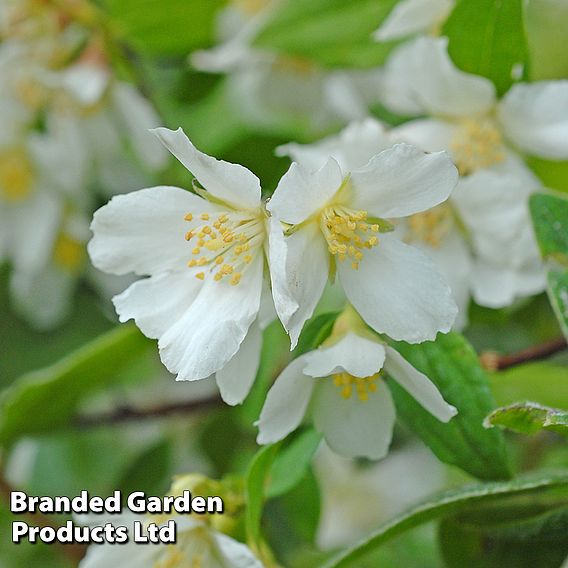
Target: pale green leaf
x=529, y=418
x=550, y=219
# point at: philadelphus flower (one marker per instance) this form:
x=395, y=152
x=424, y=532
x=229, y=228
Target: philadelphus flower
x=351, y=403
x=335, y=221
x=205, y=257
x=275, y=88
x=482, y=136
x=410, y=17
x=201, y=540
x=435, y=231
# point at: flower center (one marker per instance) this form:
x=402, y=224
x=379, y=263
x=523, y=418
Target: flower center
x=68, y=253
x=16, y=175
x=349, y=385
x=430, y=227
x=226, y=244
x=477, y=144
x=347, y=233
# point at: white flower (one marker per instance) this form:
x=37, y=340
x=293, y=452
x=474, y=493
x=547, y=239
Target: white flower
x=334, y=220
x=205, y=258
x=434, y=231
x=482, y=136
x=410, y=17
x=197, y=545
x=351, y=403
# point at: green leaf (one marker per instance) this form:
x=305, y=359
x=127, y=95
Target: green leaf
x=163, y=27
x=554, y=175
x=546, y=23
x=453, y=366
x=46, y=400
x=550, y=220
x=529, y=418
x=256, y=482
x=558, y=294
x=292, y=463
x=487, y=38
x=540, y=539
x=330, y=32
x=315, y=332
x=519, y=493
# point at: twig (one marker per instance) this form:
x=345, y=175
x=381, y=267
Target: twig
x=73, y=551
x=127, y=413
x=493, y=361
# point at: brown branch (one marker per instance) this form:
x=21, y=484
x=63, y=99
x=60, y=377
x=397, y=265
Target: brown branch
x=73, y=551
x=127, y=413
x=493, y=361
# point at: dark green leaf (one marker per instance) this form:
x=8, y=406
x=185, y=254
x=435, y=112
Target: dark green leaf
x=292, y=463
x=523, y=492
x=487, y=38
x=529, y=418
x=331, y=32
x=46, y=400
x=550, y=220
x=315, y=332
x=524, y=535
x=452, y=365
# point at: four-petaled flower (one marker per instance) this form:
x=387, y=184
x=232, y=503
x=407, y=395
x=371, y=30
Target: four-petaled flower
x=351, y=403
x=335, y=222
x=205, y=258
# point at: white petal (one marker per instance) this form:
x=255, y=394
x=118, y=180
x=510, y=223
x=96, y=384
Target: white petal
x=139, y=117
x=403, y=180
x=418, y=385
x=286, y=403
x=236, y=554
x=143, y=231
x=429, y=134
x=498, y=286
x=420, y=78
x=399, y=291
x=413, y=16
x=209, y=334
x=353, y=147
x=353, y=354
x=300, y=192
x=129, y=555
x=351, y=427
x=231, y=183
x=236, y=378
x=158, y=302
x=299, y=269
x=535, y=118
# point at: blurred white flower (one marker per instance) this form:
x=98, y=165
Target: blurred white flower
x=206, y=261
x=356, y=497
x=274, y=88
x=480, y=131
x=409, y=17
x=483, y=136
x=335, y=221
x=350, y=401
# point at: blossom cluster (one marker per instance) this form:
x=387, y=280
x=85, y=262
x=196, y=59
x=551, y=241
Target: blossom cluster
x=71, y=132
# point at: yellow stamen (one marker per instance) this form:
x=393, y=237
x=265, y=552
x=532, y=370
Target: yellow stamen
x=348, y=384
